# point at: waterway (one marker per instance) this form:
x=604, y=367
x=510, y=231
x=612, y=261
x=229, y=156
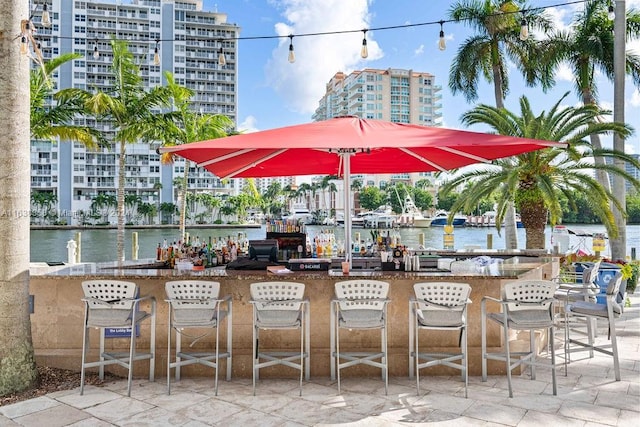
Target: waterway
x=100, y=245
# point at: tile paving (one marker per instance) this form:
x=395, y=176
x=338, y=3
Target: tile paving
x=587, y=396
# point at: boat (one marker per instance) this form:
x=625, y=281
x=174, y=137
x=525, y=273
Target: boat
x=380, y=221
x=440, y=219
x=300, y=215
x=411, y=215
x=488, y=219
x=381, y=217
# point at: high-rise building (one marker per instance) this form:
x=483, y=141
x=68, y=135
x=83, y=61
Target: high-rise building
x=189, y=41
x=629, y=168
x=395, y=95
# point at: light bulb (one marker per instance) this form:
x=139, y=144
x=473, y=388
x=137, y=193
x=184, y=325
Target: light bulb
x=156, y=55
x=524, y=30
x=442, y=44
x=364, y=52
x=96, y=53
x=611, y=12
x=24, y=46
x=46, y=20
x=292, y=55
x=222, y=61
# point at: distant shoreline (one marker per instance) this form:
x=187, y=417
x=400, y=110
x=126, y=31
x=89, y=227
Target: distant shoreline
x=140, y=227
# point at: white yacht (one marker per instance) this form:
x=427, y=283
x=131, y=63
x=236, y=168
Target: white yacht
x=411, y=215
x=299, y=214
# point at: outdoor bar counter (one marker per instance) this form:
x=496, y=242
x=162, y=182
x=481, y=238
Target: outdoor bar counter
x=58, y=312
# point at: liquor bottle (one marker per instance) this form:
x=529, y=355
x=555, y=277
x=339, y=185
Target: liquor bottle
x=159, y=252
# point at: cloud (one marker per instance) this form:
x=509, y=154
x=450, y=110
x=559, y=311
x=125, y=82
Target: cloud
x=302, y=84
x=419, y=51
x=248, y=125
x=564, y=73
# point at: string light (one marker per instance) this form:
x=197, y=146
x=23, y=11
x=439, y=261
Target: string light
x=45, y=20
x=292, y=55
x=24, y=45
x=524, y=32
x=524, y=29
x=442, y=44
x=612, y=11
x=222, y=61
x=28, y=45
x=364, y=52
x=156, y=54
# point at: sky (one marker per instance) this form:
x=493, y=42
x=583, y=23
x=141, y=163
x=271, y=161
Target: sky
x=273, y=92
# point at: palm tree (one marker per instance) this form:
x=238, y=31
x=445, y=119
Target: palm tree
x=497, y=24
x=129, y=109
x=304, y=191
x=182, y=125
x=497, y=40
x=168, y=210
x=211, y=203
x=534, y=180
x=147, y=210
x=272, y=198
x=102, y=204
x=17, y=361
x=588, y=49
x=43, y=202
x=56, y=121
x=131, y=202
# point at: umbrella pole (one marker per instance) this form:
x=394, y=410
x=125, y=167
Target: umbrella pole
x=347, y=205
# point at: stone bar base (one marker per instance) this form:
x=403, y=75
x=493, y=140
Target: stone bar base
x=58, y=317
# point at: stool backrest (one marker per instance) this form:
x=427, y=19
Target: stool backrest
x=277, y=295
x=119, y=294
x=192, y=294
x=529, y=292
x=442, y=295
x=371, y=294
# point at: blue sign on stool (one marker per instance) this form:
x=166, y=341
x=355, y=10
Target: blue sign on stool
x=605, y=275
x=120, y=332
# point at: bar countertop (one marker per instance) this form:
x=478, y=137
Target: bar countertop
x=509, y=268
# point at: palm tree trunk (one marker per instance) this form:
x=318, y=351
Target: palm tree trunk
x=17, y=363
x=120, y=201
x=601, y=176
x=534, y=219
x=510, y=228
x=619, y=244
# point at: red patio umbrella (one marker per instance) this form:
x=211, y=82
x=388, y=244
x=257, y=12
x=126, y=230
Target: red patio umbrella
x=350, y=145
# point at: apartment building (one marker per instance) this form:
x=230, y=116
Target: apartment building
x=395, y=95
x=629, y=168
x=189, y=41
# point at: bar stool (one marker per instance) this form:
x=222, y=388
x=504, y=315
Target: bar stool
x=609, y=312
x=359, y=305
x=195, y=305
x=526, y=305
x=115, y=304
x=280, y=305
x=439, y=306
